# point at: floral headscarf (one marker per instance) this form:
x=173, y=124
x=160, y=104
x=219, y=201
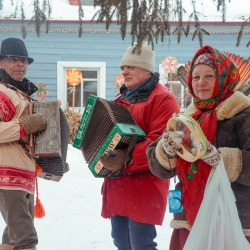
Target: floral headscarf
x=227, y=80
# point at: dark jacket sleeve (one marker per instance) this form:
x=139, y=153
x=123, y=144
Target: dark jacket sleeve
x=154, y=165
x=243, y=134
x=235, y=133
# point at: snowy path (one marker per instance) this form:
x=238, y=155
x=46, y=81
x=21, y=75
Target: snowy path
x=73, y=207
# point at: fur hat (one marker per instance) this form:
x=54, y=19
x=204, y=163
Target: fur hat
x=146, y=59
x=14, y=47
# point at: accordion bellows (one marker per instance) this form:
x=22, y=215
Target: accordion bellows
x=104, y=125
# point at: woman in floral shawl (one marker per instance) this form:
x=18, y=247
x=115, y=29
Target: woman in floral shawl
x=224, y=116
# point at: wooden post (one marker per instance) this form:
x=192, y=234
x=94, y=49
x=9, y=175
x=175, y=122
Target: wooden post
x=73, y=97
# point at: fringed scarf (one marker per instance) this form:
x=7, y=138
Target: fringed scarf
x=194, y=175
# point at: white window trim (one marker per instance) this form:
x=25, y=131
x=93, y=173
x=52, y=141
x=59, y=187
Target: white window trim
x=63, y=66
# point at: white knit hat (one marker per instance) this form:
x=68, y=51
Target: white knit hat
x=146, y=59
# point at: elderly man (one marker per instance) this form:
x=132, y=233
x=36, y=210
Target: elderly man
x=17, y=169
x=136, y=201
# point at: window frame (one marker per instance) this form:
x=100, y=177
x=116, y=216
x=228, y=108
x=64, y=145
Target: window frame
x=63, y=66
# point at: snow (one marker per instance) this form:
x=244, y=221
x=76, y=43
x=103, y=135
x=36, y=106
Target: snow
x=73, y=208
x=237, y=10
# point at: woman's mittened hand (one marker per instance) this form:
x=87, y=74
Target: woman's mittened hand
x=212, y=156
x=171, y=142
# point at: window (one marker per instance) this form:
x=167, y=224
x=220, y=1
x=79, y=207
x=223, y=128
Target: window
x=93, y=82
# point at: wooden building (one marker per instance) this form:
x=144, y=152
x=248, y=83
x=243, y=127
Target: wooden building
x=98, y=53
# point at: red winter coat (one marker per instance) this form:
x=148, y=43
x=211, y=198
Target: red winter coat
x=138, y=194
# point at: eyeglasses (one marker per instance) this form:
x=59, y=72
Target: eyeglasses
x=16, y=59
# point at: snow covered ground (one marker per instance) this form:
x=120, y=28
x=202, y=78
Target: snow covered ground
x=73, y=208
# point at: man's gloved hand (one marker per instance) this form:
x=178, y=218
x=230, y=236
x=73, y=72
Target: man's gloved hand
x=171, y=142
x=32, y=123
x=113, y=159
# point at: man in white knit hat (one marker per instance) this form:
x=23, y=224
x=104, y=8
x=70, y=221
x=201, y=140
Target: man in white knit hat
x=136, y=201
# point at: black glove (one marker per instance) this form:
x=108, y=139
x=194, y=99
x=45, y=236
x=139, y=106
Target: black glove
x=33, y=123
x=113, y=159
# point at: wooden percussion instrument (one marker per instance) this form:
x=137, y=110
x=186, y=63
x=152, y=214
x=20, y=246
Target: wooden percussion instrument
x=49, y=147
x=184, y=122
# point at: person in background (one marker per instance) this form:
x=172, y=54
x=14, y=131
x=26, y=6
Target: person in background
x=224, y=117
x=136, y=201
x=17, y=169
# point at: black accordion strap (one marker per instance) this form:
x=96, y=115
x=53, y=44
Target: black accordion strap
x=131, y=146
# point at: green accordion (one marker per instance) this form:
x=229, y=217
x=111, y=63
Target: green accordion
x=105, y=126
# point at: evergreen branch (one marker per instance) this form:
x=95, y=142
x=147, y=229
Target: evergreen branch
x=39, y=16
x=162, y=35
x=47, y=4
x=200, y=32
x=195, y=33
x=135, y=14
x=96, y=16
x=205, y=31
x=200, y=36
x=150, y=19
x=124, y=18
x=179, y=30
x=240, y=33
x=44, y=6
x=167, y=27
x=80, y=15
x=224, y=9
x=23, y=29
x=16, y=9
x=102, y=13
x=219, y=4
x=187, y=29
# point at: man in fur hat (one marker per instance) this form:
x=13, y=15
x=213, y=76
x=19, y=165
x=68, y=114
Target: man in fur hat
x=17, y=169
x=136, y=201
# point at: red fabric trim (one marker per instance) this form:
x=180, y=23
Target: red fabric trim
x=7, y=109
x=22, y=131
x=14, y=177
